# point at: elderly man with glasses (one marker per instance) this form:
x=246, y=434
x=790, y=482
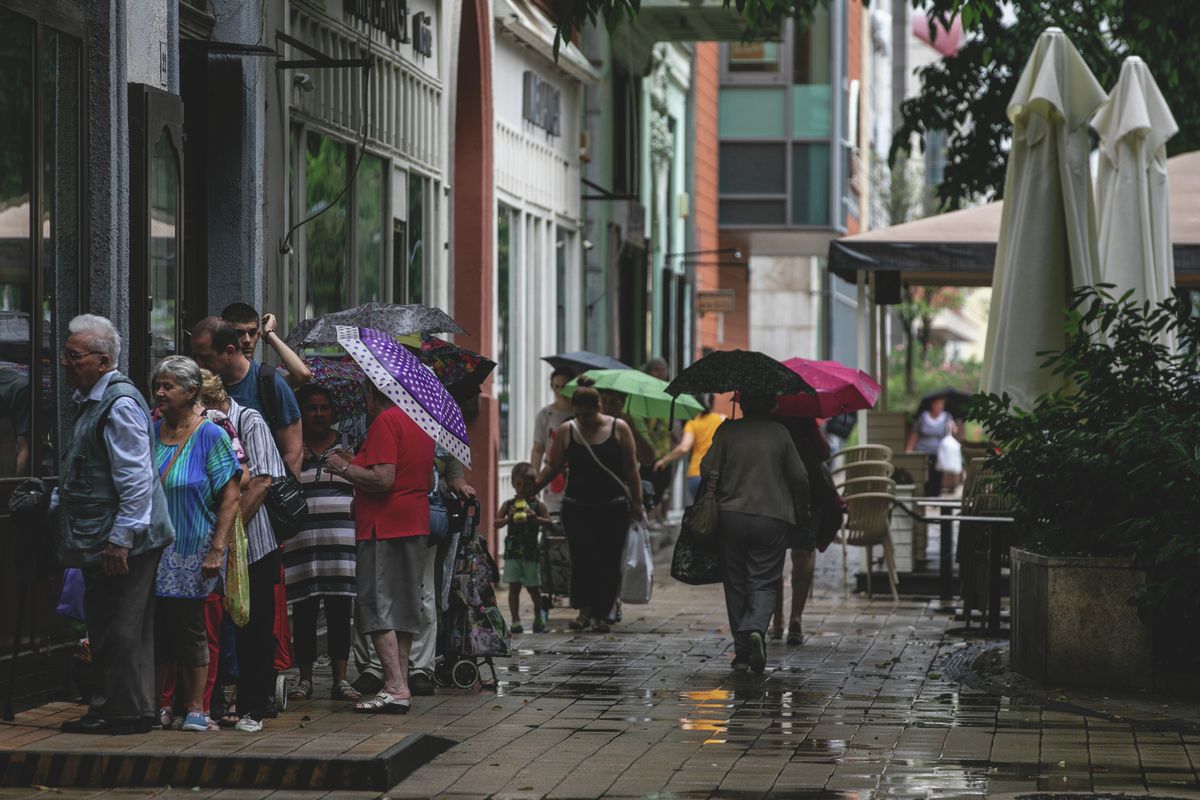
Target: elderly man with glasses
x=113, y=525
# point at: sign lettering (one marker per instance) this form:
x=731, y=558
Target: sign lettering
x=718, y=301
x=389, y=16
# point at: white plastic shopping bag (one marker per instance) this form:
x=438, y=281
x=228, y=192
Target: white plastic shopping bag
x=637, y=566
x=949, y=455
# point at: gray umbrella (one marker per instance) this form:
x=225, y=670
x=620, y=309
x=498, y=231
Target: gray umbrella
x=391, y=318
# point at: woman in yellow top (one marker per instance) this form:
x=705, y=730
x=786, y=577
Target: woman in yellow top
x=697, y=438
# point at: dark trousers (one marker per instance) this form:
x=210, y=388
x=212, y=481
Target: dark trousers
x=338, y=611
x=120, y=621
x=933, y=484
x=596, y=539
x=256, y=641
x=752, y=551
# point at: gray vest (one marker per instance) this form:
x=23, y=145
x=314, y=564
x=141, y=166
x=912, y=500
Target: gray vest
x=88, y=497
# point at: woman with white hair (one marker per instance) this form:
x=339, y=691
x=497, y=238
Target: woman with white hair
x=199, y=473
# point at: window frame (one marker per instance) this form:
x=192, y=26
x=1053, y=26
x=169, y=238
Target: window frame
x=783, y=79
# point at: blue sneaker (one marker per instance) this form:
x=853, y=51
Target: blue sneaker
x=196, y=721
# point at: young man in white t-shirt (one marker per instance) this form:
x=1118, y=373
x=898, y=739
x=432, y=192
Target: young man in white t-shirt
x=547, y=422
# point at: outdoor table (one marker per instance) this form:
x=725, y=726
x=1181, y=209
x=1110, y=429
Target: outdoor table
x=946, y=543
x=945, y=523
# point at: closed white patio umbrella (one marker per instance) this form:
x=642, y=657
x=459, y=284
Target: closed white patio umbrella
x=1047, y=242
x=1132, y=196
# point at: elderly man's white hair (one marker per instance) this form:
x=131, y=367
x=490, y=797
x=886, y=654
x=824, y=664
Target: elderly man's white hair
x=100, y=333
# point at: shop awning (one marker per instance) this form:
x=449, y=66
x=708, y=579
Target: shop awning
x=959, y=248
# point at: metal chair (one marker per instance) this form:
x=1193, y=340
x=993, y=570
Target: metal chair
x=983, y=496
x=868, y=523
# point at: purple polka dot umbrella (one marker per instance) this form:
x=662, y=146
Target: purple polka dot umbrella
x=411, y=385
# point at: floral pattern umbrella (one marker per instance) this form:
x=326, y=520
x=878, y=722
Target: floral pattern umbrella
x=390, y=318
x=411, y=385
x=460, y=370
x=343, y=379
x=737, y=371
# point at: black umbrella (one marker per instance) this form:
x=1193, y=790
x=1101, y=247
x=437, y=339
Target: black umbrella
x=737, y=371
x=956, y=401
x=391, y=318
x=582, y=360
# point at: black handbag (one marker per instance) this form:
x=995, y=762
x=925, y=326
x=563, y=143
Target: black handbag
x=286, y=507
x=285, y=504
x=695, y=562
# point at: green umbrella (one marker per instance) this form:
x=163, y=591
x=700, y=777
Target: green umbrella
x=644, y=394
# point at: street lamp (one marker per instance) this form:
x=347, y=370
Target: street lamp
x=735, y=251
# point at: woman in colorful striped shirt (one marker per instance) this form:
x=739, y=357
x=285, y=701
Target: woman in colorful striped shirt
x=319, y=561
x=200, y=474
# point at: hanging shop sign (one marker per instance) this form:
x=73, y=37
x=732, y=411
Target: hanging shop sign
x=542, y=103
x=389, y=16
x=717, y=301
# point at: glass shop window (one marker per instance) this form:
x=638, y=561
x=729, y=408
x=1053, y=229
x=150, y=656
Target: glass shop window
x=40, y=139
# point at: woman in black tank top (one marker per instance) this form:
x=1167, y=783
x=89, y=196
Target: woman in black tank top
x=603, y=494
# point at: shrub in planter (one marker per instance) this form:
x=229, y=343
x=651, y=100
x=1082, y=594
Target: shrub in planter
x=1109, y=465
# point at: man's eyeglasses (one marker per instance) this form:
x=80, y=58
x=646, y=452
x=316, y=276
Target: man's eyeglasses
x=74, y=356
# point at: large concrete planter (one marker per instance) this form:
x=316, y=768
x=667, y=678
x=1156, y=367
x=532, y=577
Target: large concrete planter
x=1072, y=624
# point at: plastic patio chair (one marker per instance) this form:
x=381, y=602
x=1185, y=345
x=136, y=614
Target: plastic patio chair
x=862, y=452
x=873, y=483
x=868, y=523
x=862, y=469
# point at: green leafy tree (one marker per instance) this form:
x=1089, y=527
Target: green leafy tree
x=1110, y=466
x=966, y=95
x=917, y=310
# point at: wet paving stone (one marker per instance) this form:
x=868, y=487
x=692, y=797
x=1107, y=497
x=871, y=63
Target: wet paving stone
x=868, y=707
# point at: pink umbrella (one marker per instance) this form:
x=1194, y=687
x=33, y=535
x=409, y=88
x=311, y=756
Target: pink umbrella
x=840, y=390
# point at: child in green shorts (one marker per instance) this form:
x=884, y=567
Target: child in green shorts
x=524, y=515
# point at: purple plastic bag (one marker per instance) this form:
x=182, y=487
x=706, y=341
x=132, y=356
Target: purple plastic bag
x=70, y=602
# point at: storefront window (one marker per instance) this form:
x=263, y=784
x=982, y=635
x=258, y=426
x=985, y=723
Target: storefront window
x=35, y=62
x=16, y=255
x=561, y=256
x=325, y=237
x=417, y=194
x=505, y=246
x=368, y=233
x=164, y=269
x=342, y=243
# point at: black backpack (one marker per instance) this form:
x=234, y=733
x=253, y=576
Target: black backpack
x=267, y=398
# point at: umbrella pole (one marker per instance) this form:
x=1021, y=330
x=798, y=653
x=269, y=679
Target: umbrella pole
x=864, y=341
x=884, y=353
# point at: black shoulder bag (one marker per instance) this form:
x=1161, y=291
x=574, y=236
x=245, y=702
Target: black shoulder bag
x=285, y=504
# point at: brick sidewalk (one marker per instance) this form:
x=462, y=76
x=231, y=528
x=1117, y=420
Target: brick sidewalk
x=866, y=707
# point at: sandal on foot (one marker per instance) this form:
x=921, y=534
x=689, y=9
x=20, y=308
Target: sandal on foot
x=303, y=691
x=342, y=690
x=384, y=703
x=230, y=718
x=777, y=633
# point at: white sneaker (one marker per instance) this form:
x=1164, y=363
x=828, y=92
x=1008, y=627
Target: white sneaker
x=249, y=725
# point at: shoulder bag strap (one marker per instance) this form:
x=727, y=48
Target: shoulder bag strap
x=162, y=476
x=583, y=440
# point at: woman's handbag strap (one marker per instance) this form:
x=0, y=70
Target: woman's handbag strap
x=583, y=440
